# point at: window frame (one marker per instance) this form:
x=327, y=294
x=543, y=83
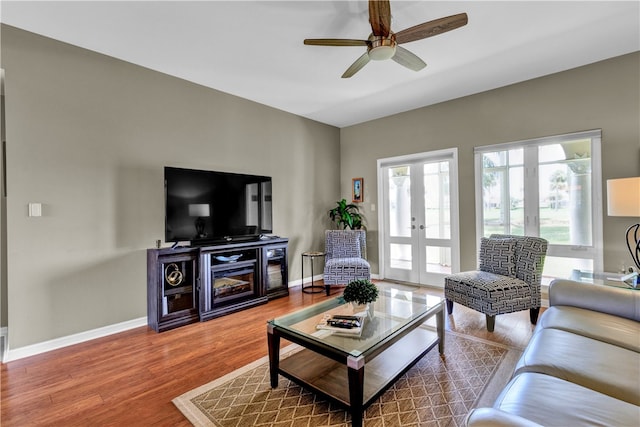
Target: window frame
x=594, y=251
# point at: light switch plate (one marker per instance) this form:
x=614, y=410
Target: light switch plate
x=35, y=209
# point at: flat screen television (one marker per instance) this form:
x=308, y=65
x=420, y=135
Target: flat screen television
x=209, y=206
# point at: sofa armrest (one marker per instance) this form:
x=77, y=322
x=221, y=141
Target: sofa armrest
x=491, y=417
x=605, y=299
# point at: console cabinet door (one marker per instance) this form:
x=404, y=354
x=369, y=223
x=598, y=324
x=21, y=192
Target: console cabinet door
x=275, y=270
x=172, y=290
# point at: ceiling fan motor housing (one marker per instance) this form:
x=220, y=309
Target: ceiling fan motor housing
x=381, y=48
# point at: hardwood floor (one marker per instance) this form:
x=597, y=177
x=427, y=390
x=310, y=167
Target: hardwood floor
x=130, y=378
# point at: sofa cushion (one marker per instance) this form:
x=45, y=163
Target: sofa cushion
x=491, y=417
x=602, y=367
x=551, y=401
x=498, y=256
x=593, y=324
x=605, y=299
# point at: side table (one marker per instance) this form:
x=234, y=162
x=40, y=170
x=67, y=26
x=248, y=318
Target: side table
x=312, y=289
x=608, y=279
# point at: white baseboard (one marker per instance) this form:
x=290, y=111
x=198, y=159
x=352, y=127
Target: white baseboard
x=293, y=283
x=4, y=332
x=306, y=280
x=33, y=349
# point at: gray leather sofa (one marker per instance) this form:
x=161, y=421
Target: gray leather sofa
x=581, y=367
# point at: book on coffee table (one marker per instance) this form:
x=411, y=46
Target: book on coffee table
x=350, y=326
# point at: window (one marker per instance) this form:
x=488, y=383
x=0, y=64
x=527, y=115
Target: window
x=548, y=187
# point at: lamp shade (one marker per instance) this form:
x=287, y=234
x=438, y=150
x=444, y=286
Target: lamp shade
x=199, y=209
x=623, y=197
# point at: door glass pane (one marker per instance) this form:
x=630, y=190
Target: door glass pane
x=400, y=256
x=438, y=259
x=400, y=201
x=565, y=193
x=436, y=200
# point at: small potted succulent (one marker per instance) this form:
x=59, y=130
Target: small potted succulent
x=360, y=293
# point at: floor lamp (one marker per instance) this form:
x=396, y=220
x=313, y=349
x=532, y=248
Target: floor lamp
x=623, y=199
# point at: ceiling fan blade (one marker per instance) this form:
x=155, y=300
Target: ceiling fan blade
x=380, y=17
x=408, y=59
x=432, y=28
x=356, y=66
x=336, y=42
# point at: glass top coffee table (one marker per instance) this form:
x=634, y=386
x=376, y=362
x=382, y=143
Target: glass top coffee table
x=354, y=370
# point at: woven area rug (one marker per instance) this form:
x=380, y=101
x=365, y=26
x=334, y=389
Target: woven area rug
x=434, y=392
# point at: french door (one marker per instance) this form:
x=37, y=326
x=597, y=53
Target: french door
x=419, y=217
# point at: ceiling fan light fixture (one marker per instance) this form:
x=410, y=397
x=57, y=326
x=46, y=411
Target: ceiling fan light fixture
x=381, y=53
x=382, y=48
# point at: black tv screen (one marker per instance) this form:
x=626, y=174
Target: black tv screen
x=209, y=206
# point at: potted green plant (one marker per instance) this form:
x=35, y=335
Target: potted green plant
x=346, y=215
x=360, y=292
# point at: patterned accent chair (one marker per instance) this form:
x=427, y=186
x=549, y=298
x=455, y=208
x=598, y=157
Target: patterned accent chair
x=345, y=258
x=508, y=278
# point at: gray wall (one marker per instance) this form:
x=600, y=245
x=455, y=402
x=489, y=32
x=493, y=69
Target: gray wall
x=88, y=137
x=603, y=96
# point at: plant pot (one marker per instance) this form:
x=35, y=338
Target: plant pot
x=360, y=309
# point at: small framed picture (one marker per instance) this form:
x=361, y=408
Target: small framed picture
x=357, y=190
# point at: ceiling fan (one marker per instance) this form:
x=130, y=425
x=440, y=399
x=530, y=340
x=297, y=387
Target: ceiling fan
x=384, y=44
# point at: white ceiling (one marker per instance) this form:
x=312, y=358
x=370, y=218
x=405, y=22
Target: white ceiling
x=254, y=49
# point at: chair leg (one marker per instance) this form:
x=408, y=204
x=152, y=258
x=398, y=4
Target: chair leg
x=449, y=306
x=326, y=289
x=533, y=314
x=491, y=322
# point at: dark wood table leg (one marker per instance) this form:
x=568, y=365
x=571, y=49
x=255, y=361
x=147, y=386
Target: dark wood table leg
x=440, y=329
x=355, y=368
x=273, y=342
